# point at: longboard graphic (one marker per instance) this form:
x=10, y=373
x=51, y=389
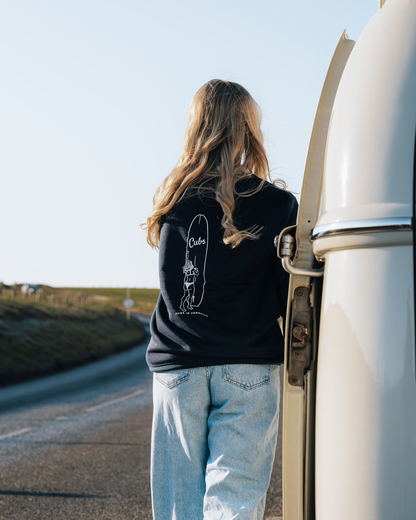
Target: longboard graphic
x=195, y=262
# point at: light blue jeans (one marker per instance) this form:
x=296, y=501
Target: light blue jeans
x=213, y=441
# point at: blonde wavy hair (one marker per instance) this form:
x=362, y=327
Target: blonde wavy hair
x=223, y=144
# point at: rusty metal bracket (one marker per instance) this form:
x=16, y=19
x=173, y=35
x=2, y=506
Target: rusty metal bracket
x=300, y=347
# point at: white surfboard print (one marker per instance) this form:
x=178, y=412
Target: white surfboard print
x=195, y=263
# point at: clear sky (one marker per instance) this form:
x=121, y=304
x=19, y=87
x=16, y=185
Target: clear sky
x=94, y=99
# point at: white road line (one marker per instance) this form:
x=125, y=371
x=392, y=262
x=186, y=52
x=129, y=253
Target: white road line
x=107, y=403
x=13, y=434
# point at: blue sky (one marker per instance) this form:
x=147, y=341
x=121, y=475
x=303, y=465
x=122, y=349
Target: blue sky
x=94, y=99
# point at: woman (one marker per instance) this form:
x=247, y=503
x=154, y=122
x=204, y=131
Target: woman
x=216, y=344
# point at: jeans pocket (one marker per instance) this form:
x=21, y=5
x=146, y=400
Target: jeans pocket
x=173, y=377
x=247, y=377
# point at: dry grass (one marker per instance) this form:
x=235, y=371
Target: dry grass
x=144, y=299
x=57, y=333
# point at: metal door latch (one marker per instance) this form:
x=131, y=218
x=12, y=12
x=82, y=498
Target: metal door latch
x=301, y=333
x=300, y=346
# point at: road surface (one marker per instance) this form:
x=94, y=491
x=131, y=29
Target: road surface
x=76, y=445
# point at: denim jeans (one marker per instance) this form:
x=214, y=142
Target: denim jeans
x=213, y=441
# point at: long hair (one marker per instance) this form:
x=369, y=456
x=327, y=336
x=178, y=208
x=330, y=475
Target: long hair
x=223, y=144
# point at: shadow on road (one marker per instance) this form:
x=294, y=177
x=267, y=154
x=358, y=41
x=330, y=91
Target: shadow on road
x=40, y=494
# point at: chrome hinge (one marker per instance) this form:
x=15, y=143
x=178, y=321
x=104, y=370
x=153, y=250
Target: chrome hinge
x=285, y=243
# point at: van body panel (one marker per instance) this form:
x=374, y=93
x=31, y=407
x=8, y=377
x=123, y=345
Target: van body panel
x=366, y=378
x=366, y=391
x=368, y=171
x=350, y=430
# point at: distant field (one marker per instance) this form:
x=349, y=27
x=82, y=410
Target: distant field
x=144, y=299
x=59, y=328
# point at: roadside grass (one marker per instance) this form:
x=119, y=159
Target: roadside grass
x=144, y=299
x=64, y=328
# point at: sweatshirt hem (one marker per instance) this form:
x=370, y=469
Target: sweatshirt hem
x=195, y=364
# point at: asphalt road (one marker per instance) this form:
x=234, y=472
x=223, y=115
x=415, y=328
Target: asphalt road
x=76, y=445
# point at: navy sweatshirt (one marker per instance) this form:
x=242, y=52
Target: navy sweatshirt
x=220, y=305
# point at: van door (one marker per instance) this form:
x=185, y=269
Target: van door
x=302, y=325
x=349, y=430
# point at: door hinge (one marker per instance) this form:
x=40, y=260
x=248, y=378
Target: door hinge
x=285, y=243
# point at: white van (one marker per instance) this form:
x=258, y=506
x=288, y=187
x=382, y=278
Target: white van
x=349, y=419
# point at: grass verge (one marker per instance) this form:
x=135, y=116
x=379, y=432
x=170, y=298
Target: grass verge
x=47, y=336
x=144, y=299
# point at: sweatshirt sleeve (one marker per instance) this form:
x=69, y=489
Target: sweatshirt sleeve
x=286, y=215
